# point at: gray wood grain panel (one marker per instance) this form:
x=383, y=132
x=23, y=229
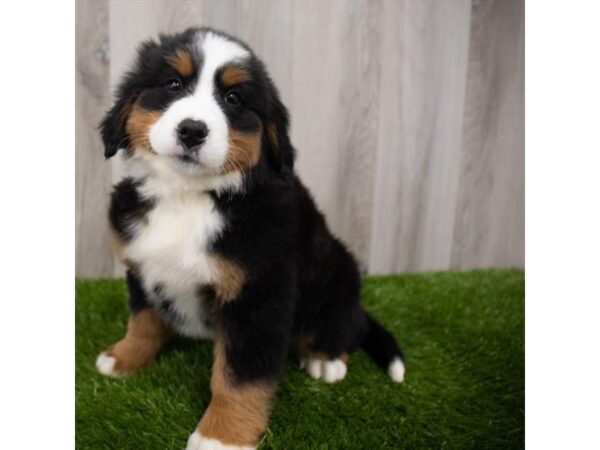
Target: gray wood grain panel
x=314, y=106
x=92, y=175
x=423, y=76
x=334, y=110
x=317, y=68
x=490, y=228
x=356, y=124
x=267, y=27
x=221, y=14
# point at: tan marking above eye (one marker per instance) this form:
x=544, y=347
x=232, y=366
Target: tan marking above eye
x=182, y=62
x=234, y=75
x=138, y=127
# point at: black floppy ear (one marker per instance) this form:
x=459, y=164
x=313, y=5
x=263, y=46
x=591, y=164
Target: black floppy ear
x=112, y=127
x=279, y=148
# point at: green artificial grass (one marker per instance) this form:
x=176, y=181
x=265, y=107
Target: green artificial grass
x=463, y=338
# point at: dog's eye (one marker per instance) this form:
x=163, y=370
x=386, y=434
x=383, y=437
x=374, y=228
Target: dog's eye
x=233, y=98
x=173, y=85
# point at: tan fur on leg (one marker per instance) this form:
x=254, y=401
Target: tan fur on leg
x=146, y=334
x=237, y=414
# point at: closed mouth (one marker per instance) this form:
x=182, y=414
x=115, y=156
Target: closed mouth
x=187, y=158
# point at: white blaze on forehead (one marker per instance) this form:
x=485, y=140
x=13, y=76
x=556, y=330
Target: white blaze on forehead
x=217, y=51
x=201, y=105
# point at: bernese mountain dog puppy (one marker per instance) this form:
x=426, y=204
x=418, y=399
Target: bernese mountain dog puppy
x=221, y=239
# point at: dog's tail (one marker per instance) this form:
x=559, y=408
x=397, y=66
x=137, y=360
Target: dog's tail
x=381, y=346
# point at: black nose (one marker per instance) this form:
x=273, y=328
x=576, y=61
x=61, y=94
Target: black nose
x=192, y=133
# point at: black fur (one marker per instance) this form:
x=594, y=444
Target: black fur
x=302, y=282
x=127, y=207
x=380, y=344
x=137, y=295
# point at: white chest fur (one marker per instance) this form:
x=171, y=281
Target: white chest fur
x=170, y=251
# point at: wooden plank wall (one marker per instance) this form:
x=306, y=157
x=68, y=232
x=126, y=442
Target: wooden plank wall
x=408, y=117
x=93, y=256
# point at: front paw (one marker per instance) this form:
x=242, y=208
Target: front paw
x=126, y=356
x=199, y=442
x=106, y=363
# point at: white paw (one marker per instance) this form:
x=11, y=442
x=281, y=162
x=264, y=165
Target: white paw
x=199, y=442
x=396, y=370
x=329, y=371
x=106, y=365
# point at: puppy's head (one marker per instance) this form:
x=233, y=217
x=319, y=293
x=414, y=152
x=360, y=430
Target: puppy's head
x=201, y=102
